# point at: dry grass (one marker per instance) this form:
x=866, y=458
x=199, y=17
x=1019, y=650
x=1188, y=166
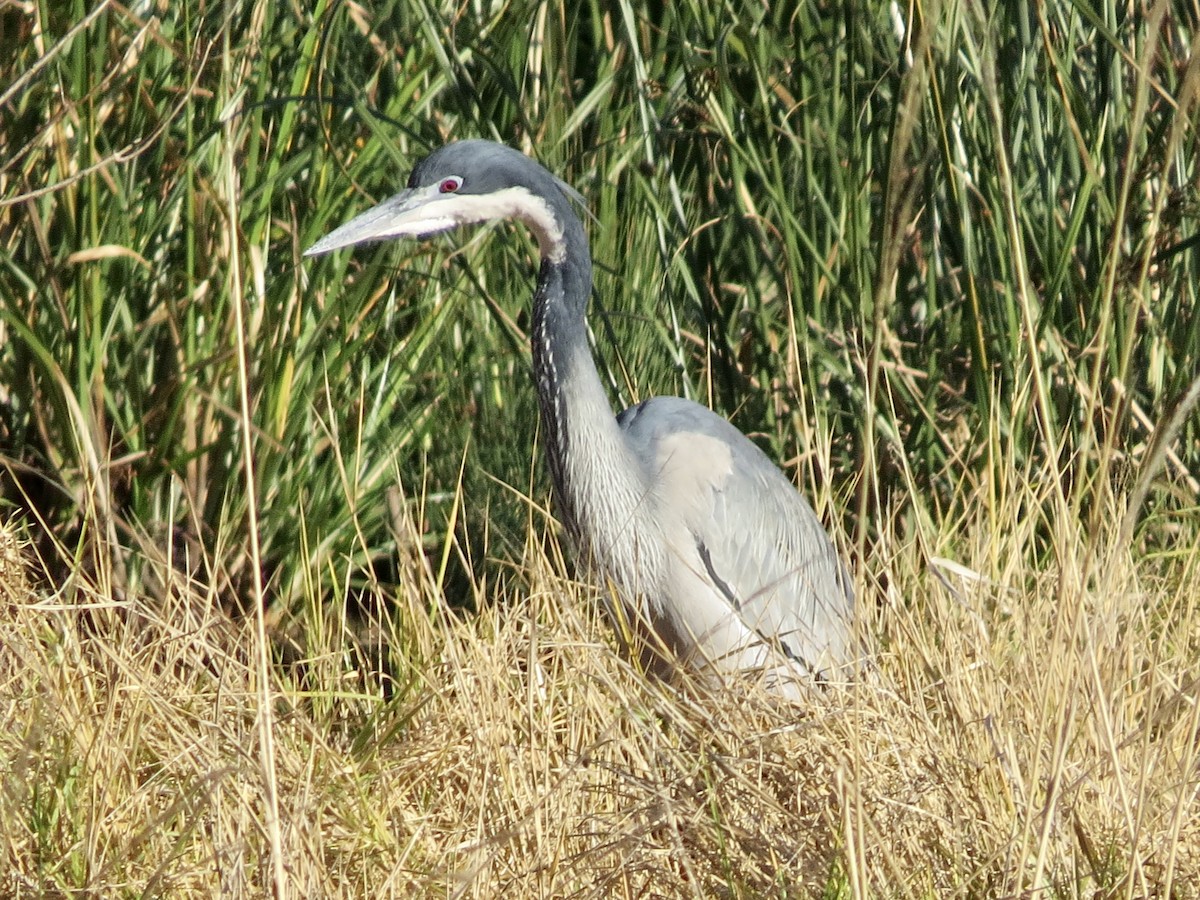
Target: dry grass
x=1025, y=730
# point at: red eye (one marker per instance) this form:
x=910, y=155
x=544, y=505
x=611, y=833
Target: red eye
x=449, y=185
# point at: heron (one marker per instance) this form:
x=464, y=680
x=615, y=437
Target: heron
x=715, y=560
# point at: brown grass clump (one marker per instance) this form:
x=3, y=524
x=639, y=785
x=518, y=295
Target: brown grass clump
x=14, y=578
x=1023, y=731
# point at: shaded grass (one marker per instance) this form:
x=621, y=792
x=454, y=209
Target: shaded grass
x=826, y=219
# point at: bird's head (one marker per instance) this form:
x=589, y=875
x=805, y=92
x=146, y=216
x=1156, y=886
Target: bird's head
x=461, y=184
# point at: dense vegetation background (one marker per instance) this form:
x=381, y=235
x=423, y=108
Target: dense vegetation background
x=939, y=259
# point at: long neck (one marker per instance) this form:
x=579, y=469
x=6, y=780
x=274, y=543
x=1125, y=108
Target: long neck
x=589, y=463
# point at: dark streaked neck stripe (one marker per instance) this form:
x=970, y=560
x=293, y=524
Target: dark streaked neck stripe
x=558, y=334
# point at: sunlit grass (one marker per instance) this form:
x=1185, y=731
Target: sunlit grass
x=1021, y=728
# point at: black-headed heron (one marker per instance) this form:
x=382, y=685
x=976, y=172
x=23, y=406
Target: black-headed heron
x=710, y=548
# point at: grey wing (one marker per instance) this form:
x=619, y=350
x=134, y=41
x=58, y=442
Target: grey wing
x=756, y=538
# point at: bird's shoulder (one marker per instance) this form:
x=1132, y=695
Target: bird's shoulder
x=755, y=530
x=689, y=445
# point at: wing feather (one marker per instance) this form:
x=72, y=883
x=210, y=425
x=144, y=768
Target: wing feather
x=754, y=566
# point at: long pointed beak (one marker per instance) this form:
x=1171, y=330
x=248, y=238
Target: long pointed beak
x=411, y=213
